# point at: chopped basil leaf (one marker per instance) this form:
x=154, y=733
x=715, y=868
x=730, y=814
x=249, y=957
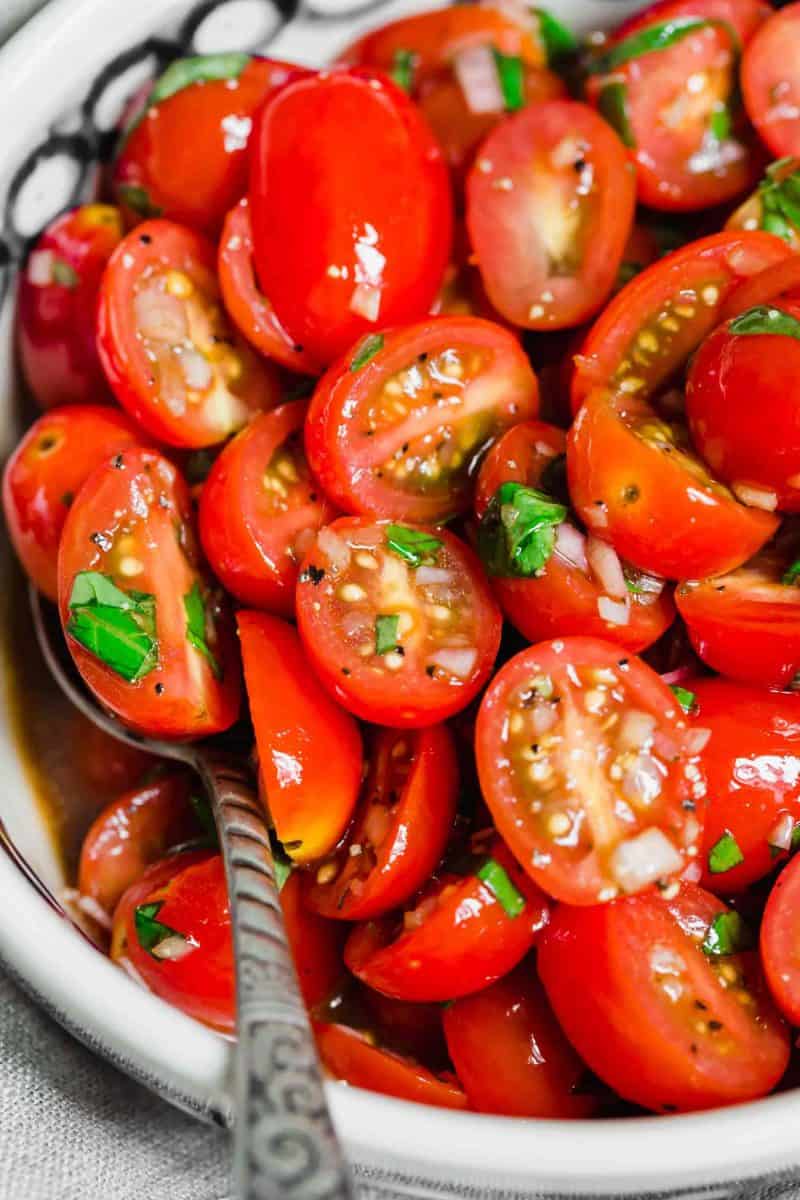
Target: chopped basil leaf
x=367, y=349
x=793, y=574
x=205, y=818
x=557, y=39
x=724, y=855
x=780, y=201
x=512, y=80
x=117, y=627
x=195, y=609
x=281, y=864
x=138, y=199
x=517, y=533
x=767, y=320
x=402, y=71
x=720, y=123
x=496, y=879
x=202, y=68
x=386, y=633
x=727, y=934
x=613, y=105
x=64, y=274
x=685, y=698
x=150, y=932
x=645, y=41
x=414, y=546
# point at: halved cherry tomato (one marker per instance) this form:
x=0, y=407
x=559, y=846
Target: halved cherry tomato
x=398, y=622
x=531, y=452
x=780, y=941
x=753, y=447
x=742, y=16
x=166, y=347
x=414, y=1029
x=550, y=204
x=46, y=471
x=661, y=1002
x=174, y=928
x=310, y=754
x=462, y=933
x=750, y=760
x=637, y=484
x=774, y=205
x=646, y=333
x=134, y=831
x=782, y=279
x=584, y=761
x=353, y=1056
x=259, y=509
x=147, y=632
x=350, y=208
x=396, y=428
x=400, y=829
x=509, y=1053
x=208, y=101
x=56, y=305
x=771, y=83
x=316, y=944
x=248, y=308
x=747, y=624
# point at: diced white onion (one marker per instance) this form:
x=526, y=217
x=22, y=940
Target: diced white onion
x=673, y=678
x=605, y=562
x=476, y=72
x=542, y=719
x=40, y=268
x=172, y=948
x=460, y=663
x=755, y=497
x=693, y=872
x=636, y=729
x=616, y=612
x=696, y=740
x=160, y=316
x=665, y=745
x=93, y=909
x=571, y=546
x=425, y=575
x=335, y=548
x=366, y=301
x=196, y=369
x=780, y=836
x=691, y=830
x=644, y=859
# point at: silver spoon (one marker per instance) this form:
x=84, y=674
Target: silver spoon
x=284, y=1142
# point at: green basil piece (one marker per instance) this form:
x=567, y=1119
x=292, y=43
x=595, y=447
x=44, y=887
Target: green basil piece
x=725, y=854
x=195, y=609
x=386, y=633
x=558, y=41
x=720, y=124
x=281, y=864
x=138, y=199
x=414, y=546
x=367, y=349
x=647, y=41
x=685, y=698
x=117, y=627
x=727, y=934
x=792, y=576
x=517, y=533
x=201, y=68
x=780, y=201
x=511, y=75
x=64, y=274
x=150, y=932
x=496, y=879
x=612, y=103
x=764, y=319
x=402, y=72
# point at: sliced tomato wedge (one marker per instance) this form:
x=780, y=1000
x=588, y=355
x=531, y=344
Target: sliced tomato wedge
x=780, y=942
x=550, y=204
x=782, y=279
x=166, y=346
x=771, y=81
x=316, y=944
x=662, y=1001
x=398, y=621
x=396, y=428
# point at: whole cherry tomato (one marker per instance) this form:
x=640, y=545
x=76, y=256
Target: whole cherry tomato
x=316, y=944
x=771, y=81
x=780, y=939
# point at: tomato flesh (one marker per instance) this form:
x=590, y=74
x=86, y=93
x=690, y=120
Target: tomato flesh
x=780, y=943
x=316, y=945
x=770, y=81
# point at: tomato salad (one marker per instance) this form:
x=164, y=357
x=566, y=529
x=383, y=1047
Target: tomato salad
x=392, y=415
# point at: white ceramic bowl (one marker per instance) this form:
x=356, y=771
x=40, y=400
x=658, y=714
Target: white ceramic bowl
x=64, y=77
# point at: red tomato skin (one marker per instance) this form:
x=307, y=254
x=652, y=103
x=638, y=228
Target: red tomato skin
x=744, y=16
x=56, y=321
x=356, y=140
x=338, y=396
x=160, y=154
x=163, y=244
x=450, y=955
x=350, y=1055
x=316, y=944
x=246, y=547
x=45, y=473
x=769, y=84
x=756, y=643
x=509, y=1053
x=781, y=280
x=414, y=845
x=520, y=455
x=779, y=942
x=308, y=747
x=595, y=967
x=751, y=763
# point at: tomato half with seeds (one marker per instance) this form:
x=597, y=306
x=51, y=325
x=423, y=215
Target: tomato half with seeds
x=353, y=1056
x=149, y=634
x=662, y=1000
x=398, y=621
x=350, y=208
x=396, y=427
x=316, y=944
x=400, y=829
x=771, y=83
x=780, y=942
x=56, y=303
x=259, y=509
x=459, y=935
x=646, y=333
x=585, y=764
x=637, y=484
x=308, y=748
x=166, y=346
x=45, y=473
x=207, y=101
x=510, y=1054
x=550, y=205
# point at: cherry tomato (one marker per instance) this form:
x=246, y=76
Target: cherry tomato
x=771, y=83
x=185, y=157
x=531, y=452
x=509, y=1053
x=773, y=206
x=103, y=764
x=396, y=427
x=400, y=829
x=583, y=759
x=310, y=753
x=134, y=831
x=747, y=624
x=413, y=1029
x=658, y=998
x=56, y=305
x=316, y=944
x=149, y=636
x=550, y=203
x=780, y=943
x=398, y=621
x=649, y=329
x=782, y=279
x=351, y=1055
x=45, y=472
x=259, y=509
x=173, y=926
x=350, y=207
x=166, y=347
x=641, y=250
x=637, y=484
